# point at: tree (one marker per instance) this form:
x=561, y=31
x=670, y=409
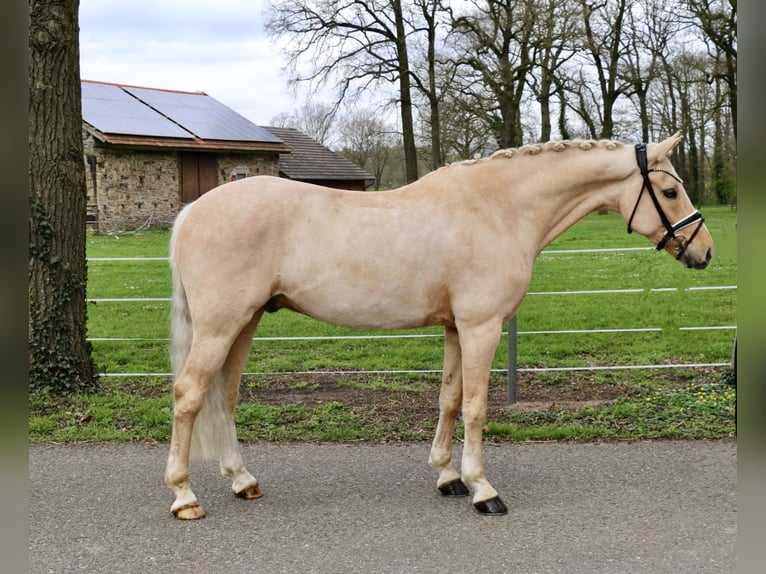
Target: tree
x=647, y=37
x=718, y=21
x=315, y=119
x=59, y=355
x=557, y=26
x=604, y=44
x=359, y=43
x=682, y=102
x=464, y=135
x=368, y=142
x=438, y=73
x=504, y=69
x=493, y=60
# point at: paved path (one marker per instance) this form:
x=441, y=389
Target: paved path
x=650, y=507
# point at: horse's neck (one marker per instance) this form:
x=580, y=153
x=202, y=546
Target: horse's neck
x=566, y=213
x=561, y=189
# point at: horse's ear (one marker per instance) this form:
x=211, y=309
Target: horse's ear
x=661, y=150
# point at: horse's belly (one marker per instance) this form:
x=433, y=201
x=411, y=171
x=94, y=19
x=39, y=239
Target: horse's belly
x=384, y=308
x=366, y=318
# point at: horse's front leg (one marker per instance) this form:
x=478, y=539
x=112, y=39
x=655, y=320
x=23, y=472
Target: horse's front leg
x=451, y=393
x=478, y=345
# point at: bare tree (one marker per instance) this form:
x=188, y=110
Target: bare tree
x=487, y=68
x=682, y=103
x=59, y=355
x=648, y=31
x=358, y=44
x=315, y=119
x=367, y=141
x=430, y=16
x=494, y=56
x=584, y=102
x=718, y=21
x=465, y=135
x=604, y=27
x=557, y=28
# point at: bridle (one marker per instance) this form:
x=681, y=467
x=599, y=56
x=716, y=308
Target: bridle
x=671, y=229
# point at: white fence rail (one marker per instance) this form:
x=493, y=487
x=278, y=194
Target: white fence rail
x=582, y=292
x=512, y=341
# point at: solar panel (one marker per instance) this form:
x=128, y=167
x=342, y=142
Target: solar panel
x=204, y=116
x=111, y=110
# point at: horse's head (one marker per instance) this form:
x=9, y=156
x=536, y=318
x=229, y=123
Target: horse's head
x=661, y=210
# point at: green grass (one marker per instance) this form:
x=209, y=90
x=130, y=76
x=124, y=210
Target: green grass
x=139, y=407
x=695, y=411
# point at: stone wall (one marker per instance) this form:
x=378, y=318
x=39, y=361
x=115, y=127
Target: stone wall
x=130, y=189
x=236, y=166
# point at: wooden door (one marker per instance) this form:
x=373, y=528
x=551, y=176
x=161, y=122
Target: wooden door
x=198, y=174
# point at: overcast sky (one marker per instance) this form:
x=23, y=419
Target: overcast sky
x=215, y=46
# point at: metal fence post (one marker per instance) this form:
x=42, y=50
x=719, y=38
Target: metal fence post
x=512, y=361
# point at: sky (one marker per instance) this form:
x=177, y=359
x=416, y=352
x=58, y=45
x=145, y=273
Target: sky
x=216, y=46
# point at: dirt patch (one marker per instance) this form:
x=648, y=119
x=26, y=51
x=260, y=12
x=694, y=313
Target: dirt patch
x=389, y=400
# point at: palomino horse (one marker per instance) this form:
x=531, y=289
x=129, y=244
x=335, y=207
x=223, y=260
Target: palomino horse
x=455, y=249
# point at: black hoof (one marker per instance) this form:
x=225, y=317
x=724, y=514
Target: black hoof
x=491, y=507
x=454, y=488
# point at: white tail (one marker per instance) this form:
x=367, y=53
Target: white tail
x=213, y=432
x=180, y=319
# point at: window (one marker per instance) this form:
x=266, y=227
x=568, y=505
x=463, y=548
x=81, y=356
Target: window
x=239, y=173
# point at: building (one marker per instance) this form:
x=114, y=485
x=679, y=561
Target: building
x=150, y=151
x=312, y=162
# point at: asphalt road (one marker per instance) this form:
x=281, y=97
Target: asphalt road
x=649, y=507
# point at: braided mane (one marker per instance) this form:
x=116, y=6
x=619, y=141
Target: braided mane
x=554, y=145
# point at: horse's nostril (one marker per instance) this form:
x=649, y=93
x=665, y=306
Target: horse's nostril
x=708, y=255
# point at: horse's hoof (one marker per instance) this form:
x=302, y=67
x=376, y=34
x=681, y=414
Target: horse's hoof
x=491, y=507
x=191, y=511
x=251, y=492
x=454, y=488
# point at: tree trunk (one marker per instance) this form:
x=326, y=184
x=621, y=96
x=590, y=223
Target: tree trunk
x=437, y=151
x=562, y=121
x=59, y=356
x=693, y=182
x=545, y=105
x=643, y=107
x=405, y=95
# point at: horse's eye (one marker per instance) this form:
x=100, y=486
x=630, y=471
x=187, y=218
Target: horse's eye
x=670, y=193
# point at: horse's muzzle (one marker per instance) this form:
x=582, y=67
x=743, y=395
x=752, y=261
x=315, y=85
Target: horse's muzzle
x=693, y=262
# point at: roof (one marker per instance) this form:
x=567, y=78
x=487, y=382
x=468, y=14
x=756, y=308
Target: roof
x=149, y=117
x=311, y=160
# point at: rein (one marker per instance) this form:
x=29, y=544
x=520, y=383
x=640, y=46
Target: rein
x=670, y=228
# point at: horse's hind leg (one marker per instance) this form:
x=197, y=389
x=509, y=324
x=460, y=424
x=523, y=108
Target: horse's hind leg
x=204, y=362
x=450, y=395
x=243, y=483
